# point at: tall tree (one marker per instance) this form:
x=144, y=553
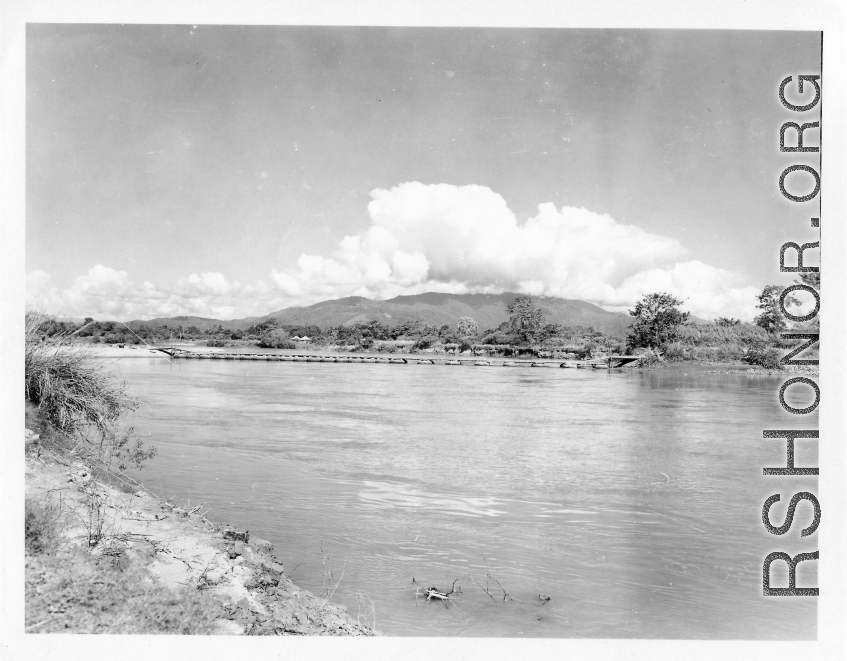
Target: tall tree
x=467, y=326
x=771, y=318
x=657, y=321
x=525, y=320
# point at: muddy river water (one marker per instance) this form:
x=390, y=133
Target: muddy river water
x=631, y=498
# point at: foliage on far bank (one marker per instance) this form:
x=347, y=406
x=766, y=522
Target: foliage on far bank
x=525, y=318
x=770, y=318
x=663, y=329
x=276, y=338
x=467, y=327
x=764, y=355
x=657, y=321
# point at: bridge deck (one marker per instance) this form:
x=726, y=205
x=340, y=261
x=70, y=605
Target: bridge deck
x=608, y=362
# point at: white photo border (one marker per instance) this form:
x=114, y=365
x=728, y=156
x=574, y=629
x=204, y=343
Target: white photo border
x=830, y=17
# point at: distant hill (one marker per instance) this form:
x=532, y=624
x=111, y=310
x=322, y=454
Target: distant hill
x=488, y=310
x=203, y=323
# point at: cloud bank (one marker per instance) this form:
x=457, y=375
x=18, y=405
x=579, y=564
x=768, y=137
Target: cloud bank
x=465, y=239
x=445, y=238
x=104, y=293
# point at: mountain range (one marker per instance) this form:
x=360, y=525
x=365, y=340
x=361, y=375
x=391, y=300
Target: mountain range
x=488, y=310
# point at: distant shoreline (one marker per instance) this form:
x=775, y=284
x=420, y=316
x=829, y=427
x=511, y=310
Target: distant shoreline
x=108, y=351
x=700, y=366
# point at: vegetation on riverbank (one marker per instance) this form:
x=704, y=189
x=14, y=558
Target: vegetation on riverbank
x=102, y=555
x=79, y=404
x=659, y=329
x=83, y=594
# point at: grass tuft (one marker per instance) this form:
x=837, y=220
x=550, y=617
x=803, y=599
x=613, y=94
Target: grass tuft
x=42, y=526
x=75, y=395
x=71, y=390
x=86, y=595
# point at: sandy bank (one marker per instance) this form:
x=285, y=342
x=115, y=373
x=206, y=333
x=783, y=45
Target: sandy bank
x=173, y=547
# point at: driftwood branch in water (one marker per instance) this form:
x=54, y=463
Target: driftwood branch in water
x=434, y=593
x=488, y=575
x=485, y=590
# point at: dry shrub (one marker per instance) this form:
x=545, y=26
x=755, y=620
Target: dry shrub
x=648, y=357
x=763, y=355
x=71, y=390
x=75, y=394
x=675, y=351
x=42, y=525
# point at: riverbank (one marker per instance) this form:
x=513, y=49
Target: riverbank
x=696, y=365
x=104, y=556
x=114, y=351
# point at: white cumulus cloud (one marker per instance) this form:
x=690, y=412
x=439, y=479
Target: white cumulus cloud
x=105, y=293
x=464, y=239
x=442, y=238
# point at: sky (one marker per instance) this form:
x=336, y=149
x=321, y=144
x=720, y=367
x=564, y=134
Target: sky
x=230, y=171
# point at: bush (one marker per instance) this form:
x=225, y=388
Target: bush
x=674, y=351
x=74, y=394
x=41, y=526
x=649, y=357
x=657, y=321
x=763, y=355
x=71, y=391
x=554, y=342
x=276, y=339
x=424, y=343
x=385, y=347
x=729, y=351
x=486, y=348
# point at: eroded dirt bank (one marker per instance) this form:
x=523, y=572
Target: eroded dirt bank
x=97, y=525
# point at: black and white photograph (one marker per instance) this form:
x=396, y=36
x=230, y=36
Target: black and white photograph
x=425, y=332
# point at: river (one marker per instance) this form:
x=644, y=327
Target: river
x=632, y=499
